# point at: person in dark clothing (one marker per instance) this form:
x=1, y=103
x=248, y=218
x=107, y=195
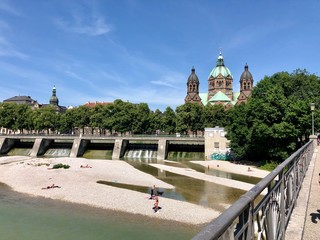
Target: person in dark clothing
x=152, y=193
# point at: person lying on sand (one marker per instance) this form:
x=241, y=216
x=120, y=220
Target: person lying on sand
x=52, y=186
x=87, y=166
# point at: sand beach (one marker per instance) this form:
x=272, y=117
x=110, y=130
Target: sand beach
x=79, y=185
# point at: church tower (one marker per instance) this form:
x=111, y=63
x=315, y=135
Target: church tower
x=53, y=99
x=246, y=85
x=193, y=88
x=220, y=80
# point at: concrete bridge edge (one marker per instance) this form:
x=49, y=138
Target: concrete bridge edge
x=295, y=228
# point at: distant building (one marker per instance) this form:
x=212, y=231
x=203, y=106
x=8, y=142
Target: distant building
x=54, y=101
x=217, y=146
x=93, y=104
x=220, y=87
x=23, y=100
x=34, y=104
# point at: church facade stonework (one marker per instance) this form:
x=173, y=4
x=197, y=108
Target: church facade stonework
x=220, y=87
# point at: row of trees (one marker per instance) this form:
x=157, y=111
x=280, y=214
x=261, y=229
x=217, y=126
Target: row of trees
x=274, y=122
x=120, y=117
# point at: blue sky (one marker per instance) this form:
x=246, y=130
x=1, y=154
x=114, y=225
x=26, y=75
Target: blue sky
x=143, y=50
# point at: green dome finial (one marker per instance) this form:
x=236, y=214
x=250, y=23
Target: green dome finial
x=220, y=61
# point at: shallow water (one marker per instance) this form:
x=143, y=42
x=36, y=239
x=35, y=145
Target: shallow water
x=25, y=217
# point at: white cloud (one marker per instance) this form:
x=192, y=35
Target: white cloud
x=92, y=26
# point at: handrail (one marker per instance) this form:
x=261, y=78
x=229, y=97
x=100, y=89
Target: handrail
x=269, y=218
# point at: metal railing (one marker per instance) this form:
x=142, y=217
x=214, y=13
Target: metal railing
x=254, y=216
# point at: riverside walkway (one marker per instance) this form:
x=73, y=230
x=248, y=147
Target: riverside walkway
x=305, y=219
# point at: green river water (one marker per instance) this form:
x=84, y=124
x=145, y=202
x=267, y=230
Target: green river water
x=24, y=217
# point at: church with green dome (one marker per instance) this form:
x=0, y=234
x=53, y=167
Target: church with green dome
x=220, y=89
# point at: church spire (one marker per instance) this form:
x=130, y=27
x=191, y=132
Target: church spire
x=193, y=88
x=54, y=100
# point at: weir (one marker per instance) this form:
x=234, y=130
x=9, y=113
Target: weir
x=146, y=147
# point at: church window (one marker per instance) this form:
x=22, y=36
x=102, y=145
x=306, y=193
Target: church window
x=244, y=86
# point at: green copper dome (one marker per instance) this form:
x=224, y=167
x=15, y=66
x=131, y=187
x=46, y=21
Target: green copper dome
x=220, y=69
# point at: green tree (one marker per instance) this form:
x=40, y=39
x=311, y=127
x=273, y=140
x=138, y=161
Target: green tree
x=98, y=114
x=23, y=118
x=214, y=115
x=122, y=116
x=189, y=118
x=81, y=116
x=141, y=118
x=168, y=123
x=156, y=121
x=44, y=118
x=274, y=122
x=8, y=115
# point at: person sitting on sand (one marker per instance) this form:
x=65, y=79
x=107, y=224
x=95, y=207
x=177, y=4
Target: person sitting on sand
x=156, y=204
x=87, y=166
x=156, y=207
x=52, y=186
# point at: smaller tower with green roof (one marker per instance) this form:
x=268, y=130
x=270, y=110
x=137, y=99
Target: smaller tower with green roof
x=53, y=99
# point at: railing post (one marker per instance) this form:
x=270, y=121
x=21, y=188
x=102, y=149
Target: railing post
x=250, y=233
x=282, y=207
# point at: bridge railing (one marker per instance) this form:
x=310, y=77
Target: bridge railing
x=254, y=216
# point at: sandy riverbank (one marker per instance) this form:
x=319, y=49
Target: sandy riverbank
x=234, y=168
x=79, y=185
x=30, y=175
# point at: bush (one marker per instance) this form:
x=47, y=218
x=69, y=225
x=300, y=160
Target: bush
x=269, y=166
x=60, y=165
